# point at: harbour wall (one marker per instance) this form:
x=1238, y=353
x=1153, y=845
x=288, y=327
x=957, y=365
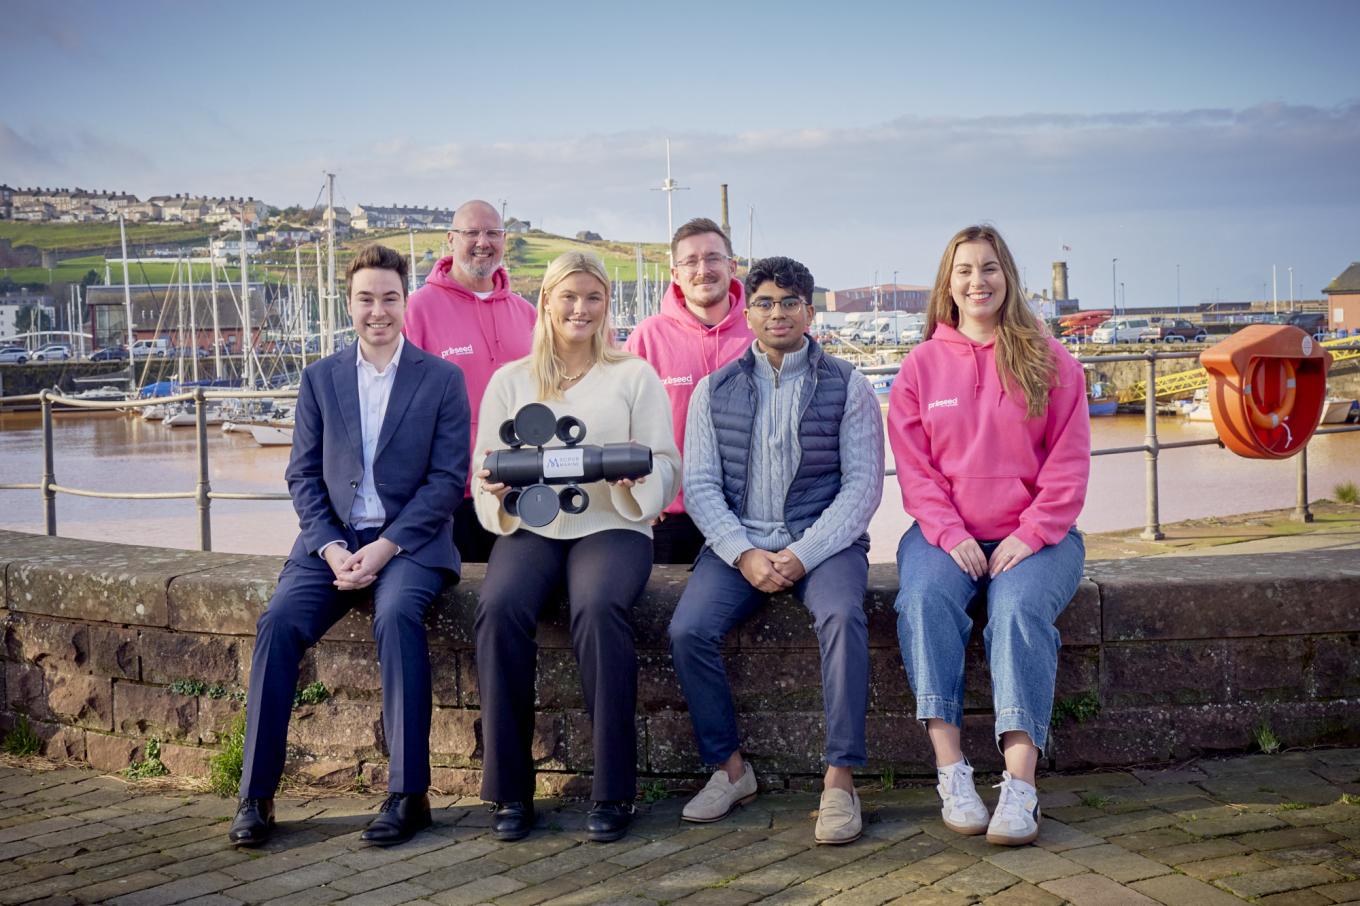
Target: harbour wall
x=107, y=646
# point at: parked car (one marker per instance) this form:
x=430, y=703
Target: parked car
x=1120, y=330
x=1173, y=330
x=13, y=355
x=53, y=352
x=1311, y=322
x=109, y=354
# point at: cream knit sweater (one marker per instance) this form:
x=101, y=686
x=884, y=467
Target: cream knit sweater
x=617, y=402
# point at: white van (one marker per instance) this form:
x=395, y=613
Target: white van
x=1120, y=330
x=154, y=348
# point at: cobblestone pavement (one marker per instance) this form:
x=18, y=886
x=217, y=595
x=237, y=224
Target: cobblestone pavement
x=1281, y=829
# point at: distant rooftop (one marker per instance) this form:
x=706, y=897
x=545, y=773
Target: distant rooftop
x=1347, y=282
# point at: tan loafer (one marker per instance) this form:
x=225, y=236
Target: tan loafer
x=838, y=820
x=720, y=796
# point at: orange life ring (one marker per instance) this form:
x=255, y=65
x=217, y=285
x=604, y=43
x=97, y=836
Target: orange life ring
x=1273, y=418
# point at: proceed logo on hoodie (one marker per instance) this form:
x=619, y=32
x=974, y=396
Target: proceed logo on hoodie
x=937, y=403
x=455, y=351
x=679, y=379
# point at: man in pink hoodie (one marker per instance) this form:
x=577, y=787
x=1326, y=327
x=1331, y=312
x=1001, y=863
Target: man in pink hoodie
x=700, y=328
x=466, y=314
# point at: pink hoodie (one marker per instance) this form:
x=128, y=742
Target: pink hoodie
x=684, y=350
x=970, y=463
x=447, y=319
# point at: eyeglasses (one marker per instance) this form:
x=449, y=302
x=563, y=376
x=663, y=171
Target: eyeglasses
x=789, y=304
x=712, y=261
x=474, y=235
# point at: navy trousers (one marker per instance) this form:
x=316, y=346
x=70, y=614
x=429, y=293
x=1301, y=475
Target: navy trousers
x=718, y=597
x=303, y=607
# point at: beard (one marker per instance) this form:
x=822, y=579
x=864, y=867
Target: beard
x=481, y=268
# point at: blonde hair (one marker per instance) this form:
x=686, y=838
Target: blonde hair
x=1024, y=360
x=543, y=360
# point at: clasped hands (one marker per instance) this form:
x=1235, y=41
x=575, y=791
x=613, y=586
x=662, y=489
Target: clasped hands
x=359, y=569
x=771, y=571
x=969, y=557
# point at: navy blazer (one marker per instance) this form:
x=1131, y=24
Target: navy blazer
x=420, y=466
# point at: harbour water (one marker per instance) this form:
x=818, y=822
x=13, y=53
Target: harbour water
x=111, y=451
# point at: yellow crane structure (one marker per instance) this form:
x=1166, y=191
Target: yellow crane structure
x=1180, y=383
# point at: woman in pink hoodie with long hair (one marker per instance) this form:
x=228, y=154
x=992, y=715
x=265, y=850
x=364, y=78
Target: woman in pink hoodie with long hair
x=991, y=435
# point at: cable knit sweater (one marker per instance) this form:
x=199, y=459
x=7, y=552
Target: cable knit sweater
x=774, y=461
x=617, y=402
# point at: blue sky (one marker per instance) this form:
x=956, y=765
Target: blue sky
x=1222, y=137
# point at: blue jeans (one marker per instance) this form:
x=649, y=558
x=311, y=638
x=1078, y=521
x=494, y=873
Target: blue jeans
x=1022, y=643
x=718, y=597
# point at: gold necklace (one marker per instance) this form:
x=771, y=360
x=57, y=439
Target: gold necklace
x=568, y=378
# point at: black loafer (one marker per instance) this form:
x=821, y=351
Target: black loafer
x=400, y=817
x=253, y=824
x=512, y=820
x=608, y=821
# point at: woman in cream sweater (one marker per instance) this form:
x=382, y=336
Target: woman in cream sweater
x=601, y=556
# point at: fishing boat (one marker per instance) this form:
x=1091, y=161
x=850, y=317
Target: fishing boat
x=1101, y=399
x=279, y=434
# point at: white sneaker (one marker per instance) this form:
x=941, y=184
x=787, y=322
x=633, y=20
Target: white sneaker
x=1016, y=820
x=963, y=811
x=720, y=796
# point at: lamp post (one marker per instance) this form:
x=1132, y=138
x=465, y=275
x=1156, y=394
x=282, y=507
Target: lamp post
x=1114, y=284
x=894, y=302
x=1291, y=290
x=1178, y=289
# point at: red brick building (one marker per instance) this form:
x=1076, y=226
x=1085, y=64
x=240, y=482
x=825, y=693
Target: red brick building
x=1343, y=301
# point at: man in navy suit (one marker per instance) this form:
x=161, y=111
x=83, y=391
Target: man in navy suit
x=379, y=461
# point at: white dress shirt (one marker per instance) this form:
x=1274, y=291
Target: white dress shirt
x=375, y=389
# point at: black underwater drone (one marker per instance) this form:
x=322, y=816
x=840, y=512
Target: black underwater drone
x=529, y=472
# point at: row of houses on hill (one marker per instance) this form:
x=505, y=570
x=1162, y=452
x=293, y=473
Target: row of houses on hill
x=66, y=205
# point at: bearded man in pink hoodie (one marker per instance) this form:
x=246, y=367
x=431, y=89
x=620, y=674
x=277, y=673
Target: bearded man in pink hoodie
x=700, y=328
x=466, y=314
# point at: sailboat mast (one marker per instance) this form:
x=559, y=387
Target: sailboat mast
x=301, y=308
x=127, y=304
x=217, y=337
x=248, y=344
x=412, y=277
x=193, y=318
x=323, y=314
x=329, y=340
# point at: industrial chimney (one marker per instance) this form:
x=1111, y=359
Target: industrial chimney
x=726, y=226
x=1059, y=281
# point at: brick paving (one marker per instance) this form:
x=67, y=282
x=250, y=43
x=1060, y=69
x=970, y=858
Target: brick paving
x=1281, y=829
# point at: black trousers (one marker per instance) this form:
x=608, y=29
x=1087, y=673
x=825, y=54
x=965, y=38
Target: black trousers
x=473, y=541
x=676, y=539
x=604, y=574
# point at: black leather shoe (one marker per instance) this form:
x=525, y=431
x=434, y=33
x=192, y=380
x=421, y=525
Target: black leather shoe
x=400, y=817
x=608, y=821
x=253, y=824
x=512, y=820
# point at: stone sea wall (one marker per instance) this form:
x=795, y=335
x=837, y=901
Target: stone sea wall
x=107, y=646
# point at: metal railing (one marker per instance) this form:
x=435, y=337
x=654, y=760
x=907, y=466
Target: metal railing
x=203, y=494
x=1151, y=446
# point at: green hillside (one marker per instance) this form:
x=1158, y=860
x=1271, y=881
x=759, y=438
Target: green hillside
x=526, y=256
x=79, y=236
